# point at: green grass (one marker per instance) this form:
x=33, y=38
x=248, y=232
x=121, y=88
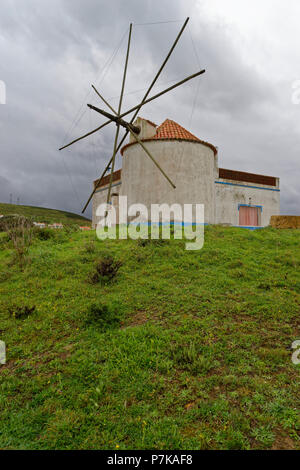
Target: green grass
x=42, y=214
x=191, y=351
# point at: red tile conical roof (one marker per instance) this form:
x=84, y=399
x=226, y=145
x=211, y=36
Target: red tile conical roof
x=170, y=130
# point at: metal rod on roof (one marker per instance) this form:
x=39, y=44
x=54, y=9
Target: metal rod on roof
x=84, y=136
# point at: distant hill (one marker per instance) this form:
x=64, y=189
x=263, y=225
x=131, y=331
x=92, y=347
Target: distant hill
x=42, y=214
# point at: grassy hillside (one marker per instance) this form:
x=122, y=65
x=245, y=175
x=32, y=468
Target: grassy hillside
x=182, y=350
x=42, y=214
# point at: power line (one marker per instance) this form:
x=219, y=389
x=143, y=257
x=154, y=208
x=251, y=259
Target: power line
x=80, y=114
x=71, y=181
x=107, y=65
x=157, y=22
x=198, y=84
x=92, y=141
x=143, y=89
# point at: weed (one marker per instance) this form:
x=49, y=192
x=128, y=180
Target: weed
x=232, y=439
x=20, y=232
x=5, y=275
x=189, y=358
x=264, y=436
x=151, y=242
x=264, y=286
x=143, y=242
x=44, y=234
x=89, y=247
x=106, y=269
x=103, y=316
x=20, y=312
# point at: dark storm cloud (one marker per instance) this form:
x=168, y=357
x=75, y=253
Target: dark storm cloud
x=52, y=51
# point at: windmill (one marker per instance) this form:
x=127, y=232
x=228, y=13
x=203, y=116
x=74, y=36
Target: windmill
x=118, y=115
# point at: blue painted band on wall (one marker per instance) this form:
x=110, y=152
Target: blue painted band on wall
x=246, y=186
x=182, y=224
x=248, y=227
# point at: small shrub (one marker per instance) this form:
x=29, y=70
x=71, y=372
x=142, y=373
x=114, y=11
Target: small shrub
x=238, y=273
x=183, y=355
x=159, y=242
x=233, y=439
x=89, y=247
x=44, y=234
x=102, y=316
x=264, y=435
x=4, y=239
x=5, y=275
x=235, y=264
x=20, y=312
x=149, y=242
x=7, y=222
x=20, y=232
x=106, y=270
x=264, y=286
x=143, y=242
x=188, y=358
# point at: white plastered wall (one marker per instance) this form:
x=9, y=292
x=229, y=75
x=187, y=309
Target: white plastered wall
x=229, y=194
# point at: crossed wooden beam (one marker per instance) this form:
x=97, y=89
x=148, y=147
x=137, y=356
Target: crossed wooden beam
x=117, y=117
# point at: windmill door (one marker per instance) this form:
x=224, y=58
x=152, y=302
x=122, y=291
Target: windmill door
x=248, y=216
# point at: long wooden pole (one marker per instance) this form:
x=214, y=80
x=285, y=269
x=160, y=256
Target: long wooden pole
x=138, y=107
x=181, y=82
x=118, y=114
x=104, y=100
x=85, y=135
x=157, y=75
x=130, y=111
x=115, y=118
x=152, y=158
x=143, y=101
x=138, y=140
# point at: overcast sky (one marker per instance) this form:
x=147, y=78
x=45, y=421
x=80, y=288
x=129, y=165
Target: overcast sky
x=53, y=50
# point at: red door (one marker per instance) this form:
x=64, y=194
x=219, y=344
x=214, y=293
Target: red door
x=249, y=216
